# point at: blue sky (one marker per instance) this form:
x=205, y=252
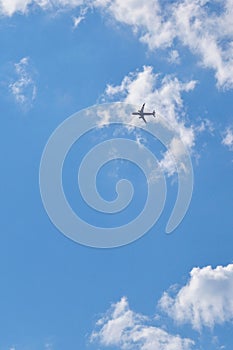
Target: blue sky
x=163, y=292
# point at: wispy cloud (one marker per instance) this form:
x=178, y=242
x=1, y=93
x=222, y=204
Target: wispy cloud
x=78, y=19
x=48, y=346
x=207, y=33
x=228, y=138
x=23, y=87
x=195, y=23
x=174, y=57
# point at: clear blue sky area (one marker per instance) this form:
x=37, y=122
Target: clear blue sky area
x=53, y=290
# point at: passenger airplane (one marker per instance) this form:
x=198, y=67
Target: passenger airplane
x=142, y=114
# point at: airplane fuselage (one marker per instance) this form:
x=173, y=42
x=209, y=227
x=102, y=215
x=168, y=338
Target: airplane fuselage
x=142, y=114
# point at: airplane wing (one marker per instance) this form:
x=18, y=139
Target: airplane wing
x=144, y=119
x=142, y=109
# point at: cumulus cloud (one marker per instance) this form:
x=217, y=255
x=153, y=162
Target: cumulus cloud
x=164, y=94
x=126, y=329
x=228, y=138
x=206, y=300
x=24, y=87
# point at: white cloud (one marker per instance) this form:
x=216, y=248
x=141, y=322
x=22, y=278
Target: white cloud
x=77, y=20
x=205, y=125
x=146, y=19
x=23, y=88
x=174, y=57
x=206, y=300
x=10, y=7
x=228, y=138
x=163, y=95
x=126, y=329
x=206, y=33
x=161, y=25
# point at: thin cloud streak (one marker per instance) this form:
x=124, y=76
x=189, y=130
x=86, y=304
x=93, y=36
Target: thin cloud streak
x=23, y=88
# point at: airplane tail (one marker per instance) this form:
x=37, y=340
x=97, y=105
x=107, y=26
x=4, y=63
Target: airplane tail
x=154, y=114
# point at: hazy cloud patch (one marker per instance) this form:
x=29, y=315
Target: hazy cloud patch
x=227, y=139
x=23, y=87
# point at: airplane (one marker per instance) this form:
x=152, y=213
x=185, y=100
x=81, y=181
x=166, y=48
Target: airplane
x=142, y=114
